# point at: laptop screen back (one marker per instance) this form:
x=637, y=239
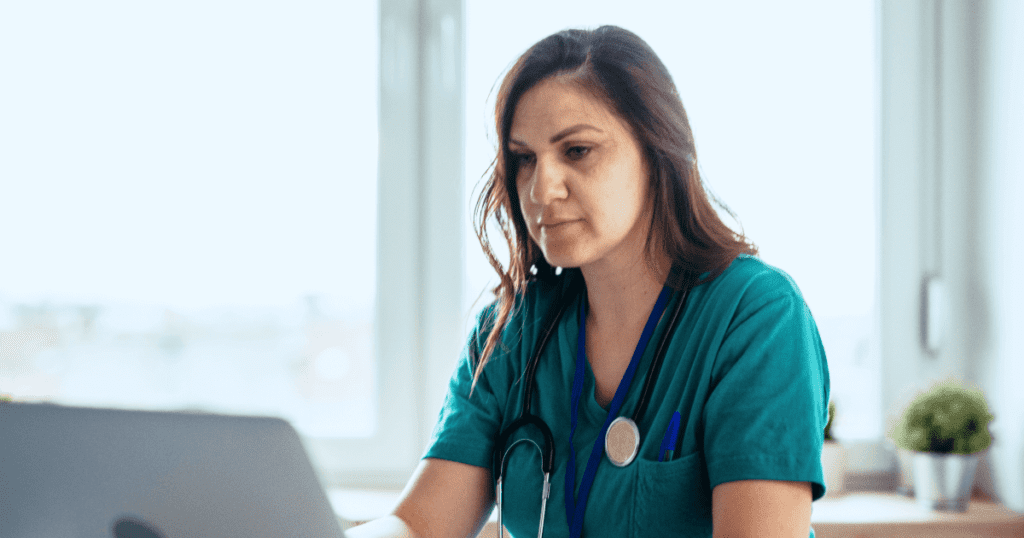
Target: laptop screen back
x=102, y=473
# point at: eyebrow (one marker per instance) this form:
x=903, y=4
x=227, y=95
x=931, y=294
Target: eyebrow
x=562, y=134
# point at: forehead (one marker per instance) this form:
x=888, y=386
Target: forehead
x=554, y=104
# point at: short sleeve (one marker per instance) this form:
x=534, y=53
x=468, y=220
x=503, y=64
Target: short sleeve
x=468, y=423
x=767, y=405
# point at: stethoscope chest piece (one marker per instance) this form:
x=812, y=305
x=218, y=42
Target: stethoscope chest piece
x=622, y=441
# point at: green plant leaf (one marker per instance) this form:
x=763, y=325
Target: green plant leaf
x=945, y=419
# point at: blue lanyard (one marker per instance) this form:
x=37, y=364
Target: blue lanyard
x=574, y=508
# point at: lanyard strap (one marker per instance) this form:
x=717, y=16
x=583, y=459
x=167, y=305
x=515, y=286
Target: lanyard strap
x=574, y=508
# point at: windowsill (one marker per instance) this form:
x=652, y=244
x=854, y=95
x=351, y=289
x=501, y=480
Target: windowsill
x=874, y=507
x=857, y=513
x=870, y=514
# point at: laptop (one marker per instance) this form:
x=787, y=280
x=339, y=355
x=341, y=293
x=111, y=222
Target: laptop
x=109, y=473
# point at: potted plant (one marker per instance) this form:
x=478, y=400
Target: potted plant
x=945, y=428
x=833, y=458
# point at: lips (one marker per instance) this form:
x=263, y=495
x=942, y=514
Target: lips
x=553, y=223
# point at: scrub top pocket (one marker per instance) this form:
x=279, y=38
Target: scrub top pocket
x=672, y=497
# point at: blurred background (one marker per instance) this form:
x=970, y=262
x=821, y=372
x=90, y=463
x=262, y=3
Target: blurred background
x=265, y=208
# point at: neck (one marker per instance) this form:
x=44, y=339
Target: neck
x=621, y=296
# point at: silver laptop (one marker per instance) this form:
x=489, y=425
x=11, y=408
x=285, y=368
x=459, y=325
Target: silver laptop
x=103, y=473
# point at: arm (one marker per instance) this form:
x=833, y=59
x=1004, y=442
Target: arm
x=762, y=508
x=443, y=499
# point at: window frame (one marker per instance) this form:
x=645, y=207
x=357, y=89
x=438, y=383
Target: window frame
x=418, y=318
x=926, y=162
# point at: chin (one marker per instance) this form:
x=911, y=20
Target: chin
x=565, y=260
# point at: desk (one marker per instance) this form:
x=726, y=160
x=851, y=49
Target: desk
x=854, y=515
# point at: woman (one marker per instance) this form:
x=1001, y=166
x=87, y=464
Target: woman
x=597, y=174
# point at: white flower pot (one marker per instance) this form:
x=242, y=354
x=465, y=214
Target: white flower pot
x=944, y=481
x=906, y=464
x=833, y=464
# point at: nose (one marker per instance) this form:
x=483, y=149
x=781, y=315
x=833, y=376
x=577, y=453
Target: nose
x=547, y=181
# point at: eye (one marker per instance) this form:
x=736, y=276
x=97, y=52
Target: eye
x=577, y=152
x=522, y=158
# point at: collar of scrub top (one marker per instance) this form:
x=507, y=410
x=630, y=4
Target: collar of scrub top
x=574, y=508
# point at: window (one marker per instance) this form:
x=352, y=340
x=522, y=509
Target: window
x=189, y=216
x=187, y=213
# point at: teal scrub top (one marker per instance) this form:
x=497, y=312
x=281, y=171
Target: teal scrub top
x=745, y=369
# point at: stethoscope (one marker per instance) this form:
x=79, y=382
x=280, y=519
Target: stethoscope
x=622, y=438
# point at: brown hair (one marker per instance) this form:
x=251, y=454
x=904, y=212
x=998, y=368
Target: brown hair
x=619, y=68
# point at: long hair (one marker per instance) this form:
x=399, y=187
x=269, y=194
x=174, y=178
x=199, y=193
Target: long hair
x=620, y=69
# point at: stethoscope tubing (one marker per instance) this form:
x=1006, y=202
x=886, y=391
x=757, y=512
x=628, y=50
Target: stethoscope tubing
x=501, y=448
x=659, y=355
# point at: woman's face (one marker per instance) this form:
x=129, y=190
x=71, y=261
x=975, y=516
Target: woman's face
x=582, y=180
